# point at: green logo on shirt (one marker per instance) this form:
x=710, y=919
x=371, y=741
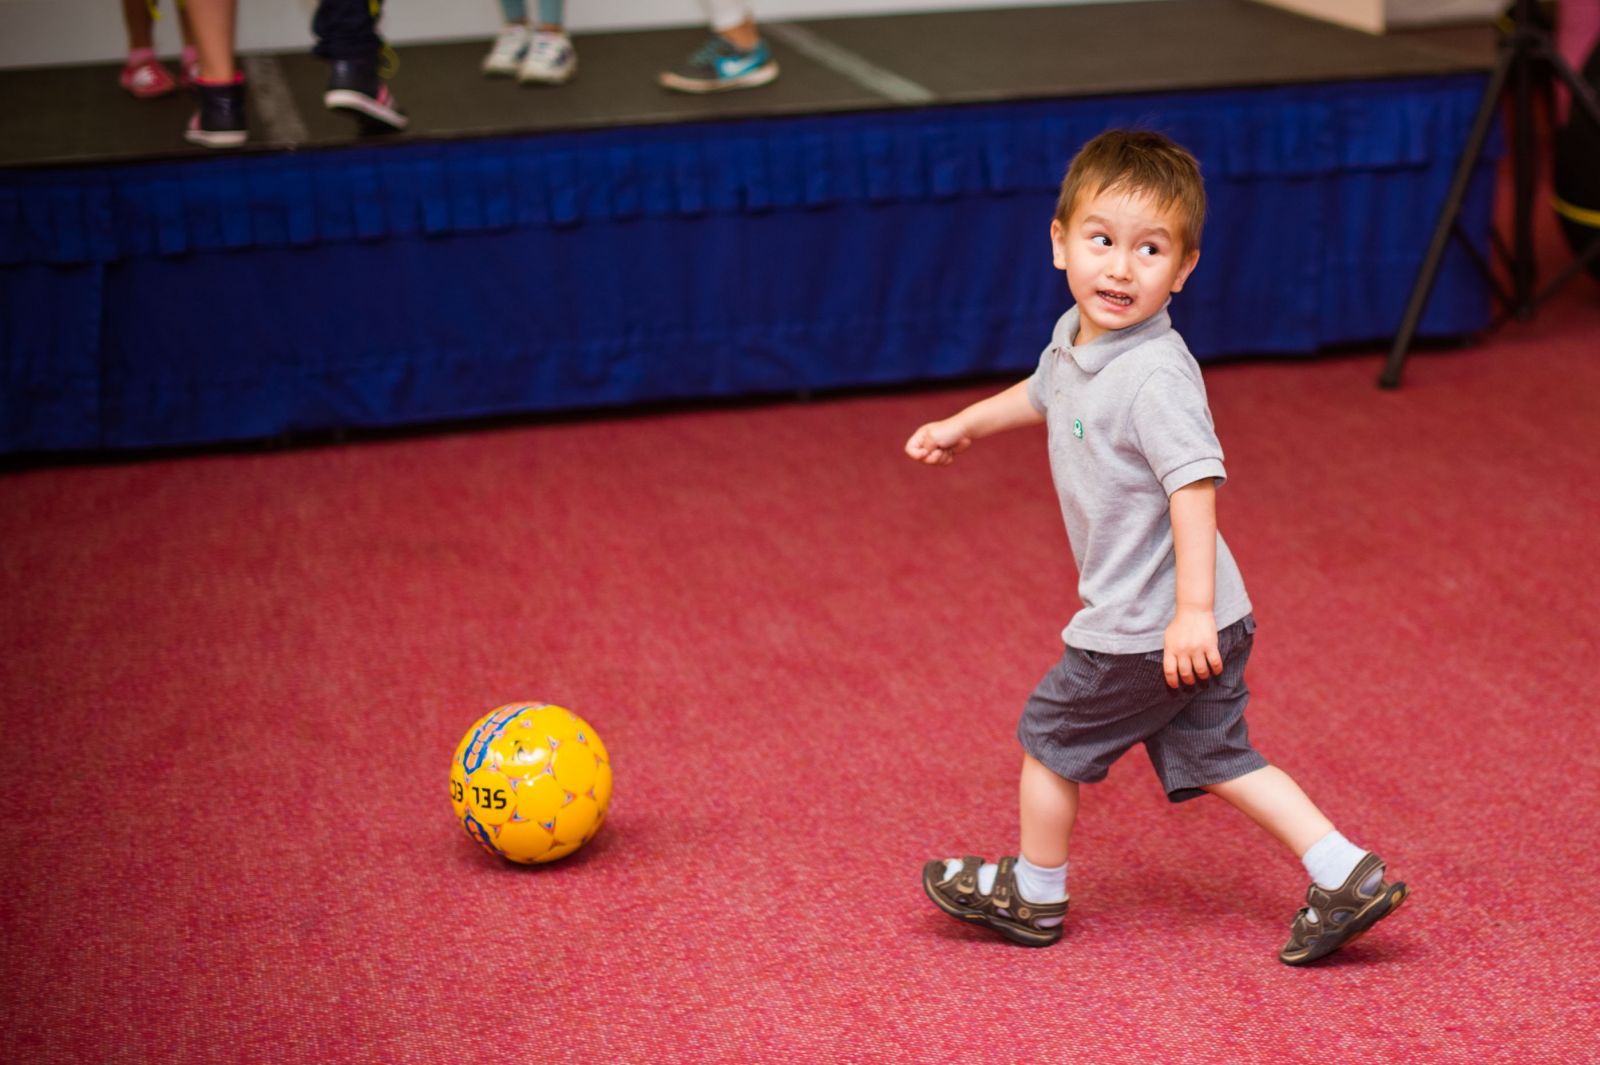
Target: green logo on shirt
x=1077, y=428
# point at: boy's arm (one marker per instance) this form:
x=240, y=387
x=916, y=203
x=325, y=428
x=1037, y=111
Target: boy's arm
x=1189, y=651
x=938, y=443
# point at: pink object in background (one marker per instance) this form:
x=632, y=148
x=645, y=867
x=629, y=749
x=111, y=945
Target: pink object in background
x=1577, y=30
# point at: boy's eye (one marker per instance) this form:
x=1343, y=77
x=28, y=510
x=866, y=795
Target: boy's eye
x=1100, y=239
x=1149, y=249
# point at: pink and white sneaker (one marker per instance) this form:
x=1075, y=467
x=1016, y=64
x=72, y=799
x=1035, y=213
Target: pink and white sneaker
x=189, y=68
x=145, y=77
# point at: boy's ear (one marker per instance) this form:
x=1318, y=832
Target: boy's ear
x=1185, y=270
x=1058, y=243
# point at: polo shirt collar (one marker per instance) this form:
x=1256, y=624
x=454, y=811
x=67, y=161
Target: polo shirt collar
x=1098, y=353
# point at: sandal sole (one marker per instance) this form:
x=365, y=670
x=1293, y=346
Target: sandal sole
x=931, y=874
x=1389, y=901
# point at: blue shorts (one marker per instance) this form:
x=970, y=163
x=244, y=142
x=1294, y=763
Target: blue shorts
x=1091, y=707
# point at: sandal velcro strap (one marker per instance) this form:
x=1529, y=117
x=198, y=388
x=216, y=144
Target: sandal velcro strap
x=965, y=882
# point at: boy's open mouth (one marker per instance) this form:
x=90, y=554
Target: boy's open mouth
x=1118, y=298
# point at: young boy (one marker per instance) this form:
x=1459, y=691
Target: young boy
x=1157, y=654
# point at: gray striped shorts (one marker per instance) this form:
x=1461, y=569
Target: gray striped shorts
x=1091, y=707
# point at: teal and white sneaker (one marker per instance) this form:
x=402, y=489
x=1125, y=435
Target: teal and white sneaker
x=717, y=65
x=510, y=46
x=551, y=60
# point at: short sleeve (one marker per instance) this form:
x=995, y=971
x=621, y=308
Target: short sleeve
x=1172, y=425
x=1039, y=383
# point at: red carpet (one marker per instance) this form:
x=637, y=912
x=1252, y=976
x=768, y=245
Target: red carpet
x=232, y=686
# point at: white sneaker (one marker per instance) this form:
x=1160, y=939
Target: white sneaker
x=509, y=48
x=551, y=59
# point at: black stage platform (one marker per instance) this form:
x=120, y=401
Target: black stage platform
x=68, y=115
x=875, y=217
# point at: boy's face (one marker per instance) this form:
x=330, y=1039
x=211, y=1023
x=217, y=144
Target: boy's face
x=1123, y=257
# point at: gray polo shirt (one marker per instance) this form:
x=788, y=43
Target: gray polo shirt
x=1128, y=426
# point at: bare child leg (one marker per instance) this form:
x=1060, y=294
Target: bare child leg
x=136, y=17
x=1271, y=798
x=744, y=36
x=1048, y=808
x=212, y=22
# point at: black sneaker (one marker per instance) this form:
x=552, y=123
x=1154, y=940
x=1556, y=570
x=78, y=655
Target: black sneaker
x=220, y=121
x=717, y=66
x=354, y=85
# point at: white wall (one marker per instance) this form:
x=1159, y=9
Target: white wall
x=48, y=32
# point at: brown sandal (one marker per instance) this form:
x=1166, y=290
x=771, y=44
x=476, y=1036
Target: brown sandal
x=1032, y=924
x=1333, y=919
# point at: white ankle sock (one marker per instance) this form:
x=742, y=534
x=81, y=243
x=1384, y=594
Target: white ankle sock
x=1331, y=860
x=1035, y=883
x=1039, y=883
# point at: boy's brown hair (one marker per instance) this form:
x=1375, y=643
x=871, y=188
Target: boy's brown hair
x=1138, y=161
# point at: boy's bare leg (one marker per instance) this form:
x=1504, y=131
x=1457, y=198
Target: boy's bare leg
x=1049, y=807
x=1271, y=798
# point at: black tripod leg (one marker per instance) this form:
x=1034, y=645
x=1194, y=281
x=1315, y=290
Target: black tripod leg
x=1591, y=253
x=1583, y=94
x=1447, y=217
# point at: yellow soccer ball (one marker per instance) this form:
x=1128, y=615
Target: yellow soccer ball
x=530, y=782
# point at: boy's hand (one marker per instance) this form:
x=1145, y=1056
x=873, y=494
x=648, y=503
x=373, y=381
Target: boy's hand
x=938, y=443
x=1189, y=650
